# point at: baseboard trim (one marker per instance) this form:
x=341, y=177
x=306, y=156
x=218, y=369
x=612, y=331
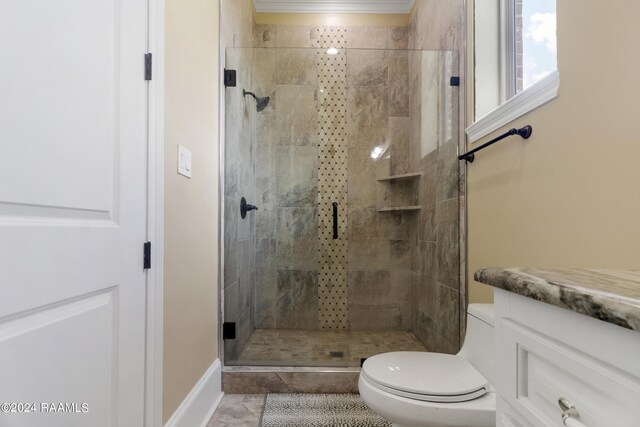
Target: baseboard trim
x=201, y=402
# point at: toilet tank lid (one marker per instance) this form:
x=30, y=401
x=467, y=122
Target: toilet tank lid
x=484, y=312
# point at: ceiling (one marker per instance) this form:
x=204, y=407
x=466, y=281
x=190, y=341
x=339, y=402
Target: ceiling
x=333, y=6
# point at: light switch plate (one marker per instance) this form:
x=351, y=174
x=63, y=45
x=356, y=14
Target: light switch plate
x=184, y=161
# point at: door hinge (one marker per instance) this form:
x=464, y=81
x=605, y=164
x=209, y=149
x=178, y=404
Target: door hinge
x=148, y=66
x=146, y=262
x=229, y=78
x=229, y=331
x=454, y=81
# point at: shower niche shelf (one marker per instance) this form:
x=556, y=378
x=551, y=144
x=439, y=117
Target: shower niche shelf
x=405, y=176
x=402, y=181
x=399, y=209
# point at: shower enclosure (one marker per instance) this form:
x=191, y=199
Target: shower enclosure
x=351, y=163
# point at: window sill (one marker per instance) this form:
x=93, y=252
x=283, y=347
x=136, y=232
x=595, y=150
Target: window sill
x=541, y=92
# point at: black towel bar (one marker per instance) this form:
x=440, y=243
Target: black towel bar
x=524, y=132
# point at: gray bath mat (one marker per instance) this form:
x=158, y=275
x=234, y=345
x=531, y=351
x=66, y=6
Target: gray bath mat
x=318, y=410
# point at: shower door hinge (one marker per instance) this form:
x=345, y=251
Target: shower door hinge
x=454, y=81
x=146, y=260
x=148, y=66
x=229, y=78
x=229, y=331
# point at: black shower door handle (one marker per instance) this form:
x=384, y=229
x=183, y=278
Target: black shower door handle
x=335, y=220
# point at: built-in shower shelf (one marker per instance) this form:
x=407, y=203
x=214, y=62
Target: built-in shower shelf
x=399, y=208
x=412, y=175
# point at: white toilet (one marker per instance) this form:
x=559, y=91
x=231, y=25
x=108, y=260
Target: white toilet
x=422, y=389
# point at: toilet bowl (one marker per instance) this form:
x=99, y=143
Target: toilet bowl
x=423, y=389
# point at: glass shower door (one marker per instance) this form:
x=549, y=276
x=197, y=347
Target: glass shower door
x=352, y=165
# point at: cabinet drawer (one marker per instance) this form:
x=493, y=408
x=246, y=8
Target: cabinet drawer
x=546, y=370
x=508, y=417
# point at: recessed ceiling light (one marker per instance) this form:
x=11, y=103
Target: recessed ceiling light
x=332, y=51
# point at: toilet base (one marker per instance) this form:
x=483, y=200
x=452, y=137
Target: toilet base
x=405, y=412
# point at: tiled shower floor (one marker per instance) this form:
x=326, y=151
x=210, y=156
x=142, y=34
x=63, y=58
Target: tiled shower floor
x=282, y=347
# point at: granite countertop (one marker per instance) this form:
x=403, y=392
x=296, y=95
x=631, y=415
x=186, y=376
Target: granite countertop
x=609, y=295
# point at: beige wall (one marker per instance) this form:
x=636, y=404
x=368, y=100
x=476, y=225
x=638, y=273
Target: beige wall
x=569, y=196
x=191, y=205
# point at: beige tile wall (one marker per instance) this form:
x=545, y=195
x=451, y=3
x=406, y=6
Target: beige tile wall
x=376, y=115
x=394, y=258
x=438, y=306
x=240, y=263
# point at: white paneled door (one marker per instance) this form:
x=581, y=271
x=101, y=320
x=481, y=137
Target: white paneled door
x=73, y=183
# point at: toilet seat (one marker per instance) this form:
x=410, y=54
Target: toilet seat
x=430, y=377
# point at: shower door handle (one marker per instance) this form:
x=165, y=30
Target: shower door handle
x=335, y=220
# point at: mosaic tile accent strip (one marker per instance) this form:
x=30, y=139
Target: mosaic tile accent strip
x=332, y=177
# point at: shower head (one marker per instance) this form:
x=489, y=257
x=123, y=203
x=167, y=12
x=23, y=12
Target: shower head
x=261, y=103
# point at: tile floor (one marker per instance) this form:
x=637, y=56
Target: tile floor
x=238, y=410
x=277, y=347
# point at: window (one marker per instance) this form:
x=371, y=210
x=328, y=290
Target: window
x=515, y=60
x=535, y=41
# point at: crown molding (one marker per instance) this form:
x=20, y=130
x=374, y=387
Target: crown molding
x=333, y=6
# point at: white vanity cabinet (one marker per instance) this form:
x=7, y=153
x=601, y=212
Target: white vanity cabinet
x=545, y=353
